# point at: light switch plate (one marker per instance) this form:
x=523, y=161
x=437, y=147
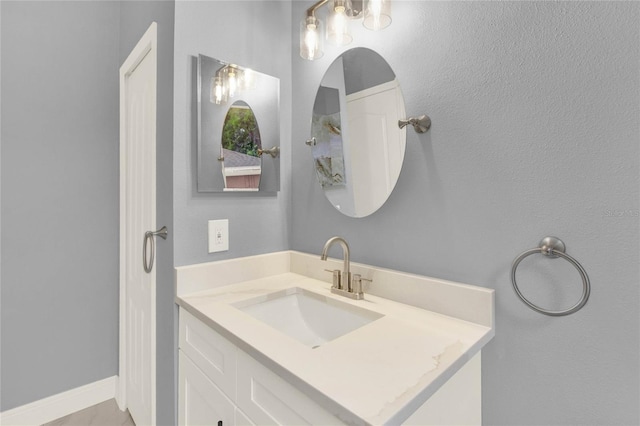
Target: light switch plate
x=218, y=235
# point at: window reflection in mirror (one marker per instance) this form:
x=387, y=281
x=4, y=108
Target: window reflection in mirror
x=241, y=165
x=327, y=132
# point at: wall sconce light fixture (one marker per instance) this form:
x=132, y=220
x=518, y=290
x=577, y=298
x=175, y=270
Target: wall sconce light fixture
x=376, y=14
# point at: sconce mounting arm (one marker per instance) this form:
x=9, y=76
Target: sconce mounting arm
x=312, y=10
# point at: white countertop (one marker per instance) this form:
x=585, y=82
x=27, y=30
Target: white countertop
x=377, y=374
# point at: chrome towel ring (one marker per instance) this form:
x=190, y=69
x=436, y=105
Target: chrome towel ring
x=552, y=247
x=149, y=236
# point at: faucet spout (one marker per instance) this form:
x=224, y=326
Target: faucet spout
x=345, y=249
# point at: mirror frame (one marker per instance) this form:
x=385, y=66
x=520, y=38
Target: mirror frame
x=264, y=101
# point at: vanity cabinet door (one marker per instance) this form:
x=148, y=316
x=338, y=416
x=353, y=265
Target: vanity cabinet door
x=242, y=419
x=211, y=352
x=457, y=402
x=269, y=400
x=200, y=401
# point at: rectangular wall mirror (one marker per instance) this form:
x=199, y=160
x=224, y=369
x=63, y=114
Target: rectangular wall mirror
x=238, y=128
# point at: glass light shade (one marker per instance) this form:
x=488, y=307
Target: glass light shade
x=338, y=25
x=377, y=14
x=217, y=91
x=248, y=79
x=232, y=81
x=311, y=38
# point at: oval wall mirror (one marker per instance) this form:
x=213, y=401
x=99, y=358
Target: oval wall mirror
x=356, y=144
x=241, y=163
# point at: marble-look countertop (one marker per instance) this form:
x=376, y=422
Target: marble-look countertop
x=377, y=374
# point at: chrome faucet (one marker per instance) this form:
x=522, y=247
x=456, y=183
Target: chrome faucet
x=342, y=283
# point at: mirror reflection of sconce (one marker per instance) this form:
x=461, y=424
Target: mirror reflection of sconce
x=376, y=15
x=420, y=124
x=228, y=81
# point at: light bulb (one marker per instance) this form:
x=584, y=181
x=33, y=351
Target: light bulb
x=216, y=91
x=338, y=31
x=376, y=8
x=233, y=84
x=311, y=38
x=340, y=22
x=249, y=81
x=377, y=14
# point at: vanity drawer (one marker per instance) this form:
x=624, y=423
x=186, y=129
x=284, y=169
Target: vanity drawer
x=269, y=400
x=211, y=352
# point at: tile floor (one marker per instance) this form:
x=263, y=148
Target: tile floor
x=104, y=414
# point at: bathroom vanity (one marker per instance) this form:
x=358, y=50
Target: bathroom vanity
x=264, y=341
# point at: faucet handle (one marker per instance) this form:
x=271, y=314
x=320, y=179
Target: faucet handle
x=357, y=283
x=337, y=282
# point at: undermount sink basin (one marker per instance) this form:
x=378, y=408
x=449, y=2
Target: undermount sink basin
x=308, y=317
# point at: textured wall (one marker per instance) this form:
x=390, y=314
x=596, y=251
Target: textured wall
x=536, y=123
x=59, y=197
x=255, y=35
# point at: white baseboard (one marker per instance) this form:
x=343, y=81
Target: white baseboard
x=60, y=405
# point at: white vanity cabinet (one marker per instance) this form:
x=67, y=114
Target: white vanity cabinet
x=222, y=385
x=416, y=361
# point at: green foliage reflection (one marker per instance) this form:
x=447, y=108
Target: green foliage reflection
x=240, y=131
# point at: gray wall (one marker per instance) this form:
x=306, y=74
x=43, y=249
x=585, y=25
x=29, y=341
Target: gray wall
x=60, y=190
x=135, y=18
x=535, y=132
x=59, y=308
x=253, y=34
x=536, y=123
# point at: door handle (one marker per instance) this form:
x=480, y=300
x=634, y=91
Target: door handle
x=149, y=236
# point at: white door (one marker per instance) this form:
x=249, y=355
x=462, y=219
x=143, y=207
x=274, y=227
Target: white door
x=137, y=215
x=377, y=145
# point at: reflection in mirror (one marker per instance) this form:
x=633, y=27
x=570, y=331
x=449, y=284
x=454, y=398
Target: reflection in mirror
x=356, y=145
x=239, y=149
x=326, y=129
x=238, y=113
